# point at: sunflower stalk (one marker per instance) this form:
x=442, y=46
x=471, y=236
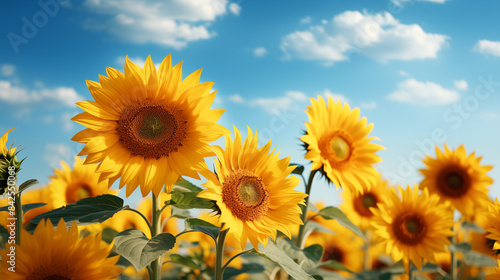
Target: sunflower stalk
x=155, y=230
x=303, y=216
x=18, y=208
x=219, y=269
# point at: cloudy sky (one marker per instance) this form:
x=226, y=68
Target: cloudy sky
x=424, y=72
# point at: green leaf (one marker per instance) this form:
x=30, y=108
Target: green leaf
x=312, y=226
x=133, y=245
x=27, y=184
x=336, y=265
x=4, y=237
x=311, y=207
x=180, y=213
x=477, y=259
x=274, y=253
x=463, y=247
x=314, y=252
x=472, y=226
x=85, y=211
x=317, y=277
x=231, y=272
x=108, y=234
x=189, y=200
x=182, y=260
x=335, y=213
x=299, y=169
x=203, y=226
x=26, y=207
x=188, y=186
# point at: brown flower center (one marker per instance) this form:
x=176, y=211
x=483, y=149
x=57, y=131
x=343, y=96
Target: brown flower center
x=362, y=204
x=409, y=228
x=337, y=148
x=333, y=252
x=453, y=181
x=151, y=130
x=51, y=272
x=78, y=191
x=245, y=195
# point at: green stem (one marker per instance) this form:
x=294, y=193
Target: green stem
x=155, y=230
x=18, y=208
x=454, y=260
x=234, y=257
x=142, y=215
x=303, y=216
x=219, y=270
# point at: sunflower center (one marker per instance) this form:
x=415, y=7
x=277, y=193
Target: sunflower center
x=340, y=148
x=78, y=191
x=54, y=272
x=453, y=181
x=245, y=195
x=151, y=130
x=409, y=228
x=363, y=203
x=333, y=253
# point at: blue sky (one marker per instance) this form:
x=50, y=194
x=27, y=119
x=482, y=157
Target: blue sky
x=423, y=72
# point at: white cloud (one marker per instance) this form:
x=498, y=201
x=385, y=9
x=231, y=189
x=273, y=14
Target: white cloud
x=54, y=153
x=399, y=2
x=306, y=20
x=487, y=47
x=8, y=70
x=402, y=73
x=235, y=8
x=137, y=60
x=378, y=36
x=67, y=124
x=64, y=96
x=423, y=93
x=273, y=105
x=260, y=52
x=170, y=23
x=489, y=116
x=236, y=98
x=461, y=85
x=335, y=96
x=368, y=105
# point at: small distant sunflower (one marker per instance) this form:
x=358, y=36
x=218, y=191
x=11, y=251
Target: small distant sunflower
x=357, y=206
x=8, y=162
x=338, y=144
x=458, y=178
x=414, y=227
x=68, y=185
x=60, y=254
x=252, y=190
x=148, y=127
x=493, y=226
x=343, y=247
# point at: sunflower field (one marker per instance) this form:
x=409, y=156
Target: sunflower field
x=250, y=217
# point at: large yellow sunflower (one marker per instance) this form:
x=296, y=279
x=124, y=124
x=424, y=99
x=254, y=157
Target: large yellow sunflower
x=413, y=227
x=458, y=178
x=357, y=205
x=148, y=127
x=493, y=226
x=59, y=254
x=338, y=144
x=69, y=185
x=252, y=190
x=343, y=246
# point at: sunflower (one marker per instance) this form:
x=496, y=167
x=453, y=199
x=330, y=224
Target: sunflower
x=493, y=226
x=343, y=246
x=338, y=144
x=60, y=254
x=357, y=206
x=414, y=227
x=9, y=165
x=479, y=241
x=252, y=190
x=146, y=127
x=496, y=275
x=69, y=185
x=458, y=178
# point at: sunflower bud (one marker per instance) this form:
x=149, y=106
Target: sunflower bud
x=9, y=165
